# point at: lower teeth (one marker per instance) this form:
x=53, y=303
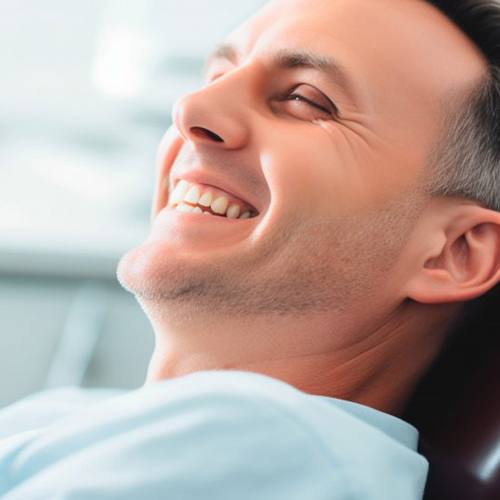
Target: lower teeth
x=183, y=207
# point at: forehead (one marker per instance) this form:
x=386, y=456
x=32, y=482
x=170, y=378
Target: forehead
x=406, y=44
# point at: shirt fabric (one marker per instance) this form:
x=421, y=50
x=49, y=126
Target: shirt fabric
x=209, y=435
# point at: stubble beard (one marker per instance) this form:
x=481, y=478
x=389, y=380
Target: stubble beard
x=310, y=266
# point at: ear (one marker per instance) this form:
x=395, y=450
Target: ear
x=460, y=259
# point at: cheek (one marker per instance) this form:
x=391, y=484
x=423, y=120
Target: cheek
x=368, y=173
x=323, y=168
x=316, y=169
x=296, y=169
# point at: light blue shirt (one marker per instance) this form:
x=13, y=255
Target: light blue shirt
x=210, y=435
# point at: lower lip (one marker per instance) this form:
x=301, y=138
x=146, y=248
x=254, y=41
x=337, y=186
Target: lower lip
x=198, y=231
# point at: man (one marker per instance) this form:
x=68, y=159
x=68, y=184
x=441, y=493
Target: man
x=326, y=204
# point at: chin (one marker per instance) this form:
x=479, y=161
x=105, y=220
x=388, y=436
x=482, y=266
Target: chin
x=141, y=270
x=154, y=272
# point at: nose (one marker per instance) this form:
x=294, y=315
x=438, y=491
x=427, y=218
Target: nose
x=216, y=114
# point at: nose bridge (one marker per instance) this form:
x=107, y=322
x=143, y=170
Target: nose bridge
x=217, y=113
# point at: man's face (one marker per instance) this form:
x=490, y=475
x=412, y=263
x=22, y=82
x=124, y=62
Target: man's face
x=320, y=120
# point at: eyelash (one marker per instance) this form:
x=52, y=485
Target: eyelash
x=298, y=97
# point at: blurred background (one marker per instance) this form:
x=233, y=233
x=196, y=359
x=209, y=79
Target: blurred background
x=86, y=93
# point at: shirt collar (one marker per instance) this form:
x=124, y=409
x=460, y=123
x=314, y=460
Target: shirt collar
x=394, y=427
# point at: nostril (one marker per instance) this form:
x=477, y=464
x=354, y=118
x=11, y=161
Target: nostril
x=203, y=132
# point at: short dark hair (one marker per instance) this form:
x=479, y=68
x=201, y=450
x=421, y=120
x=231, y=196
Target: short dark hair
x=465, y=161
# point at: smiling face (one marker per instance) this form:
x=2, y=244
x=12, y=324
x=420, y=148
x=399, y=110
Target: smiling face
x=316, y=124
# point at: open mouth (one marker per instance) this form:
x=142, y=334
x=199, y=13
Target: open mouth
x=208, y=200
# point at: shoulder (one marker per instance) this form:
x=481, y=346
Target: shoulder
x=232, y=392
x=286, y=429
x=327, y=434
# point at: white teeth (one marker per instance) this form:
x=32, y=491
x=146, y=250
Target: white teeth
x=219, y=206
x=233, y=211
x=193, y=195
x=179, y=192
x=206, y=199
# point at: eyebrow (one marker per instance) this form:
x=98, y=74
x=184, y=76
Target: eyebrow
x=290, y=59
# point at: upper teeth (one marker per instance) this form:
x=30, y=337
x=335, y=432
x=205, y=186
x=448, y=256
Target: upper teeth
x=190, y=193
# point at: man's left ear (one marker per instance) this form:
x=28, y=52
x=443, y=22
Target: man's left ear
x=461, y=258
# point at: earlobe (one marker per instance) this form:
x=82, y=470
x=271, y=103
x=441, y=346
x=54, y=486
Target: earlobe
x=465, y=265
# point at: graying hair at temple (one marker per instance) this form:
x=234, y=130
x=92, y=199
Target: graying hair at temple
x=465, y=161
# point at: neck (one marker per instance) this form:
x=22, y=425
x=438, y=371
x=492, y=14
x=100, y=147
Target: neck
x=378, y=368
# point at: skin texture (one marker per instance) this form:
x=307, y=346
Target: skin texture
x=346, y=281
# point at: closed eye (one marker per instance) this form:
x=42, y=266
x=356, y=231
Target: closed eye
x=306, y=101
x=298, y=97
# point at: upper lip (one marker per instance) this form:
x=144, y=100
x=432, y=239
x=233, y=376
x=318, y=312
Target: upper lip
x=201, y=177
